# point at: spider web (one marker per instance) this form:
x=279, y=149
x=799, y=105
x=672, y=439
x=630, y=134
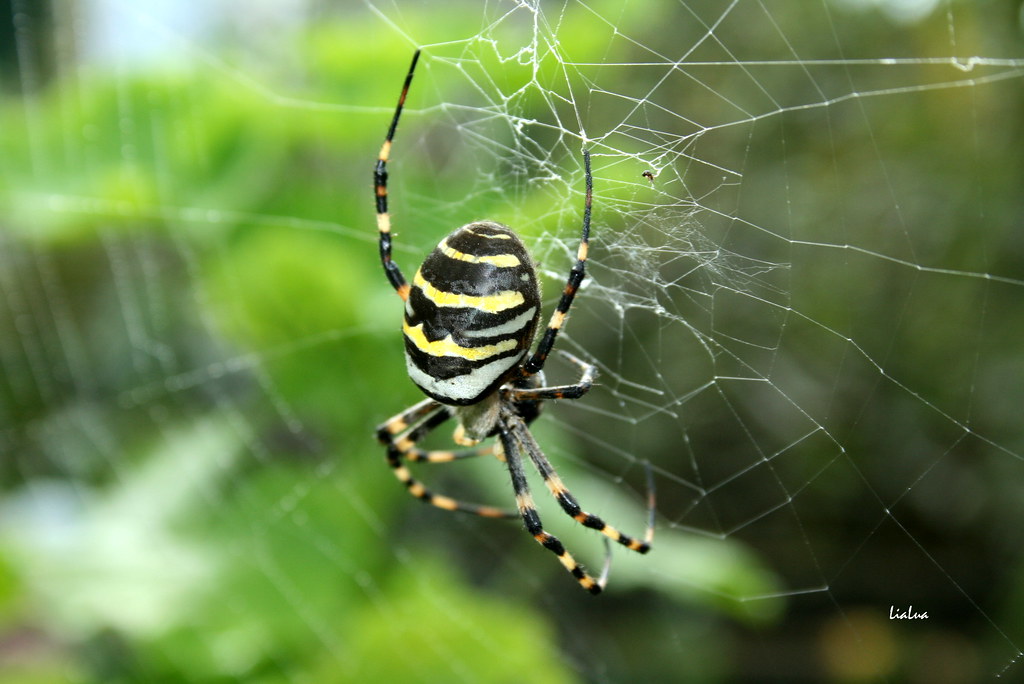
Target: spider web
x=803, y=299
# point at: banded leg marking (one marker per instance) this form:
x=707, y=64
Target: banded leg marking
x=402, y=422
x=447, y=456
x=380, y=191
x=574, y=391
x=400, y=434
x=565, y=498
x=536, y=362
x=528, y=511
x=417, y=455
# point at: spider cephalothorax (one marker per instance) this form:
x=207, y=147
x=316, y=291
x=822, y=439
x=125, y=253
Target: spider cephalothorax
x=470, y=317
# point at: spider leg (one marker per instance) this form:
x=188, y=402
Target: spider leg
x=417, y=455
x=528, y=511
x=405, y=420
x=447, y=456
x=536, y=362
x=380, y=185
x=564, y=497
x=573, y=391
x=400, y=434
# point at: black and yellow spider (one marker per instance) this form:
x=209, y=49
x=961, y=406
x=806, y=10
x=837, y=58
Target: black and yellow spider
x=470, y=317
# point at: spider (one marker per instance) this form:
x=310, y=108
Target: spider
x=470, y=317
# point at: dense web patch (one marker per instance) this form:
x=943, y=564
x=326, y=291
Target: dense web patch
x=803, y=300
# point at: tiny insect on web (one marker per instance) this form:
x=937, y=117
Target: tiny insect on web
x=470, y=317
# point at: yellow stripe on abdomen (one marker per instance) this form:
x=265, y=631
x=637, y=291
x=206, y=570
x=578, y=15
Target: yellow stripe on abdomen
x=447, y=347
x=493, y=303
x=499, y=260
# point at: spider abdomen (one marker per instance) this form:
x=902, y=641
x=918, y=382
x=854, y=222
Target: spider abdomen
x=471, y=313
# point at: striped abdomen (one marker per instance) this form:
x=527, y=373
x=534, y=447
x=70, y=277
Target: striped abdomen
x=471, y=313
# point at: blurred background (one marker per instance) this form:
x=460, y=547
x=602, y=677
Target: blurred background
x=804, y=300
